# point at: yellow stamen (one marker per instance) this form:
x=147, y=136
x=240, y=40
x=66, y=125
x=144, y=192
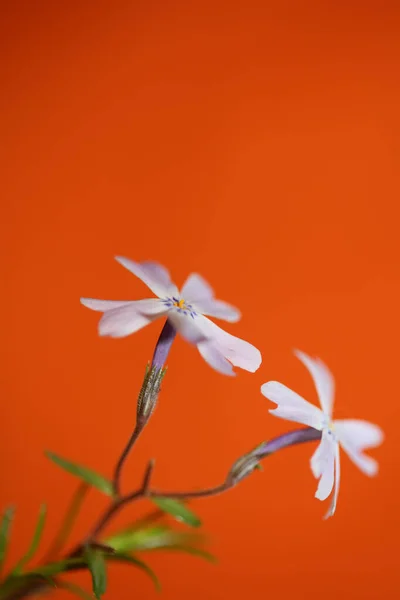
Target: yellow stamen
x=180, y=304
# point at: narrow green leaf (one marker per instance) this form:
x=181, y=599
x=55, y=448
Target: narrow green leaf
x=45, y=578
x=5, y=526
x=194, y=551
x=75, y=589
x=68, y=521
x=89, y=476
x=138, y=563
x=97, y=568
x=150, y=538
x=35, y=540
x=178, y=510
x=58, y=567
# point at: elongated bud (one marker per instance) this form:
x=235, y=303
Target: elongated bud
x=163, y=346
x=292, y=438
x=149, y=391
x=244, y=466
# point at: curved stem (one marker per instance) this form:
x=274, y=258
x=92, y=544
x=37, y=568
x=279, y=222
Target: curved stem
x=121, y=461
x=206, y=493
x=160, y=355
x=298, y=436
x=106, y=517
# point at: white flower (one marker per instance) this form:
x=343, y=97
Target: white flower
x=352, y=435
x=185, y=309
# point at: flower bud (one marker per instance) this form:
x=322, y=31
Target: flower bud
x=149, y=392
x=244, y=466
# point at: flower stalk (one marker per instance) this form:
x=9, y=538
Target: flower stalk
x=186, y=311
x=148, y=396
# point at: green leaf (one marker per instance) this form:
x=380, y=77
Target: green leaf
x=195, y=551
x=68, y=520
x=35, y=540
x=89, y=476
x=58, y=567
x=138, y=563
x=150, y=538
x=97, y=568
x=178, y=510
x=49, y=580
x=75, y=589
x=5, y=526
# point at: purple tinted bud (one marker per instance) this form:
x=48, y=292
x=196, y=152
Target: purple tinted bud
x=163, y=346
x=298, y=436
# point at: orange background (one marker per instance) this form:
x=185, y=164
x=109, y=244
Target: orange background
x=258, y=144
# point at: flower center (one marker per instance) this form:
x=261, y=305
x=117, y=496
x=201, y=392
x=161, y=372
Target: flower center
x=179, y=303
x=330, y=428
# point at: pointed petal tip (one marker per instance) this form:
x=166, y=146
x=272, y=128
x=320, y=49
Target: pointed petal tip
x=124, y=261
x=303, y=356
x=328, y=515
x=373, y=467
x=234, y=317
x=89, y=303
x=380, y=436
x=85, y=301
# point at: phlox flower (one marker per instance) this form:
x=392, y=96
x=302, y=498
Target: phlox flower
x=186, y=310
x=352, y=435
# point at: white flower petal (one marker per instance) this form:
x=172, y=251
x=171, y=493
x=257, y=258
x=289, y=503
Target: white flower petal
x=129, y=318
x=362, y=434
x=355, y=436
x=149, y=306
x=237, y=351
x=196, y=288
x=318, y=458
x=198, y=292
x=323, y=380
x=103, y=305
x=154, y=275
x=187, y=326
x=291, y=406
x=212, y=355
x=332, y=507
x=218, y=309
x=323, y=465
